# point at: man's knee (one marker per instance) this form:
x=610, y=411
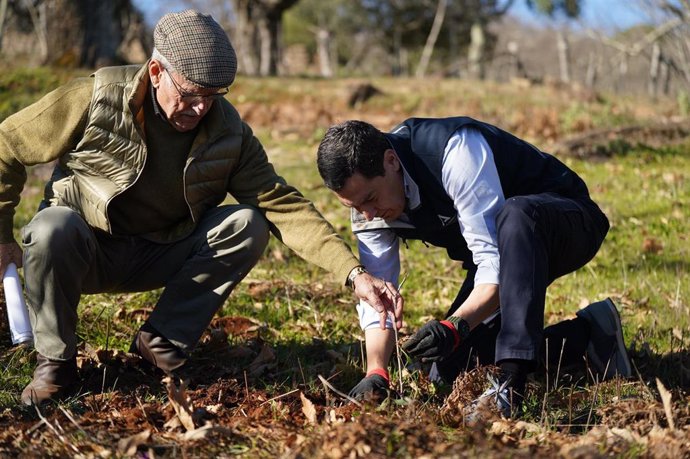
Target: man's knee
x=245, y=227
x=54, y=227
x=518, y=214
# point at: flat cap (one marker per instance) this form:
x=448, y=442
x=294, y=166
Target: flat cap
x=197, y=47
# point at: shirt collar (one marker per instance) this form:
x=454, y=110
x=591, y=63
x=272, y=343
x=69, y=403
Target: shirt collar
x=410, y=188
x=157, y=108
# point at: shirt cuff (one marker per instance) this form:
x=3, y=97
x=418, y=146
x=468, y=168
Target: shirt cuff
x=487, y=273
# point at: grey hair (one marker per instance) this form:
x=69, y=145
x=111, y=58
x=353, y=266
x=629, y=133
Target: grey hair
x=163, y=60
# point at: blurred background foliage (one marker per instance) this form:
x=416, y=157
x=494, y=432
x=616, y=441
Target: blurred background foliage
x=624, y=46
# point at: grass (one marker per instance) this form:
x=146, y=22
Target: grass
x=308, y=320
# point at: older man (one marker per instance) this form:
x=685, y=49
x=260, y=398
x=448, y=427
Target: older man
x=146, y=155
x=517, y=219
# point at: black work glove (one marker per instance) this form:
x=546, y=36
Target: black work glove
x=373, y=386
x=434, y=341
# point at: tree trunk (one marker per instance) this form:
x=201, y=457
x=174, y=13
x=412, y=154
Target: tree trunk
x=258, y=33
x=245, y=37
x=475, y=55
x=397, y=51
x=622, y=72
x=71, y=33
x=40, y=29
x=431, y=39
x=275, y=48
x=266, y=60
x=591, y=74
x=323, y=51
x=101, y=36
x=563, y=55
x=3, y=13
x=652, y=84
x=665, y=76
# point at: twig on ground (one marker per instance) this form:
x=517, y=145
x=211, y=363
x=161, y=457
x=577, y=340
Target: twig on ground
x=105, y=370
x=666, y=401
x=56, y=432
x=146, y=416
x=594, y=400
x=395, y=332
x=301, y=370
x=330, y=386
x=291, y=312
x=280, y=396
x=76, y=424
x=560, y=361
x=35, y=426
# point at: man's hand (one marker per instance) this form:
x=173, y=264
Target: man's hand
x=381, y=295
x=434, y=341
x=10, y=253
x=372, y=386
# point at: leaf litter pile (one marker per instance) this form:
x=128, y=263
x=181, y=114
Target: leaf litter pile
x=231, y=399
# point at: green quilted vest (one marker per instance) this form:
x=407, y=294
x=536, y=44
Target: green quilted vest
x=112, y=153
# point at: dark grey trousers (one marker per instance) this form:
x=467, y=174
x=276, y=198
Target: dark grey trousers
x=540, y=238
x=64, y=258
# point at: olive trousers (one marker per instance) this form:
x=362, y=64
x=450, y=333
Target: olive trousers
x=65, y=258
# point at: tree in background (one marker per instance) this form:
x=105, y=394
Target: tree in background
x=341, y=34
x=403, y=26
x=87, y=33
x=664, y=40
x=258, y=34
x=480, y=13
x=405, y=30
x=256, y=28
x=570, y=9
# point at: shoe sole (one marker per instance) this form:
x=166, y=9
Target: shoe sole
x=623, y=366
x=622, y=351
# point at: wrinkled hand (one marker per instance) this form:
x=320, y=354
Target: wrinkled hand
x=382, y=296
x=434, y=341
x=370, y=387
x=10, y=253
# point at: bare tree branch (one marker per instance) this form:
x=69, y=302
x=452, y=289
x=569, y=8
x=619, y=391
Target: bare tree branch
x=431, y=39
x=636, y=48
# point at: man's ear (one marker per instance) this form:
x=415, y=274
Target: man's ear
x=390, y=160
x=155, y=72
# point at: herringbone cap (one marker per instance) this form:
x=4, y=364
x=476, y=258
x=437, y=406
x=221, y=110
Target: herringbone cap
x=197, y=47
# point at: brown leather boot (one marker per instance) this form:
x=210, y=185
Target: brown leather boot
x=52, y=380
x=157, y=350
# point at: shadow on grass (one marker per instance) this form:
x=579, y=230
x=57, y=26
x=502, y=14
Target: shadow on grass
x=672, y=368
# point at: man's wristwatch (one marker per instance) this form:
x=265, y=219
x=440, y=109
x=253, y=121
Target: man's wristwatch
x=356, y=271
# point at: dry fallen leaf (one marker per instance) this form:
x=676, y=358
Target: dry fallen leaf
x=666, y=400
x=308, y=409
x=262, y=361
x=651, y=245
x=204, y=431
x=128, y=446
x=180, y=402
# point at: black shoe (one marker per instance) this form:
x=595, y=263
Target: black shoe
x=606, y=350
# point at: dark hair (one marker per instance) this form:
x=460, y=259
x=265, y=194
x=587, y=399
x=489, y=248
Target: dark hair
x=350, y=147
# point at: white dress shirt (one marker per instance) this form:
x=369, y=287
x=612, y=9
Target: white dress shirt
x=470, y=179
